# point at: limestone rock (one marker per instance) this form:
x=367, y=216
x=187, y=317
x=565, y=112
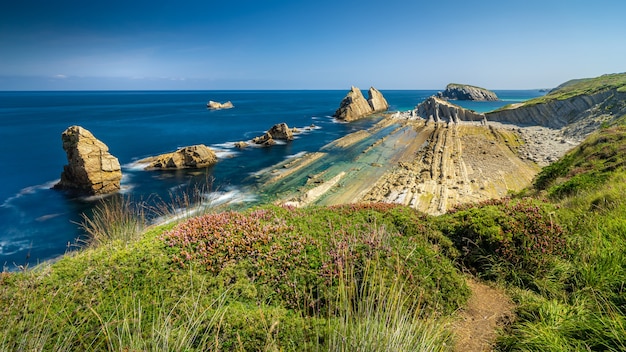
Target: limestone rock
x=241, y=144
x=466, y=92
x=91, y=169
x=266, y=140
x=353, y=106
x=194, y=157
x=579, y=115
x=376, y=100
x=439, y=110
x=279, y=131
x=214, y=105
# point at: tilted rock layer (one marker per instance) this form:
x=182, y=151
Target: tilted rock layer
x=439, y=110
x=194, y=157
x=91, y=169
x=578, y=115
x=466, y=92
x=354, y=106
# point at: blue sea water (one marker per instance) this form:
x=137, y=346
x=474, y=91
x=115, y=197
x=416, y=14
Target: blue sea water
x=38, y=223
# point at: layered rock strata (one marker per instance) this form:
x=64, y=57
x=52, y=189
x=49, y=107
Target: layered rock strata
x=91, y=169
x=354, y=106
x=438, y=110
x=214, y=105
x=578, y=115
x=466, y=92
x=192, y=157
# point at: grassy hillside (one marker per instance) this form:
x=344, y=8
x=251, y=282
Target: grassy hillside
x=353, y=277
x=585, y=86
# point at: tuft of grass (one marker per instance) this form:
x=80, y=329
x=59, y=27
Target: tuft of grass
x=373, y=314
x=116, y=218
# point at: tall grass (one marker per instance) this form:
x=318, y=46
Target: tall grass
x=114, y=218
x=375, y=313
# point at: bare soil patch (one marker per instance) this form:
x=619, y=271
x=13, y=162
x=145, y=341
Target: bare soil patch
x=487, y=310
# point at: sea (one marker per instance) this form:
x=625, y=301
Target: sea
x=38, y=223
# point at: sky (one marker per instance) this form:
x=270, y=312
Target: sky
x=291, y=44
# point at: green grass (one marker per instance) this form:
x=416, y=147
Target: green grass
x=270, y=278
x=587, y=86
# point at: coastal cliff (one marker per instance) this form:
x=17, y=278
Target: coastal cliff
x=354, y=106
x=456, y=91
x=578, y=107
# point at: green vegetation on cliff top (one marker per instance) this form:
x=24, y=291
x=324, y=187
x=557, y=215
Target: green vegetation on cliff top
x=585, y=86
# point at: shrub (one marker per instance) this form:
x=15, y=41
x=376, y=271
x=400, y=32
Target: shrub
x=521, y=234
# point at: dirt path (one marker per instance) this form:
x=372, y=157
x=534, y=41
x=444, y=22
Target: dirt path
x=487, y=310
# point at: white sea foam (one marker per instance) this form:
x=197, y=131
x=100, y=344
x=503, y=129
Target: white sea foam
x=135, y=166
x=297, y=155
x=29, y=190
x=213, y=199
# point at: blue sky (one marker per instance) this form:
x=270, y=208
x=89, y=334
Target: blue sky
x=323, y=44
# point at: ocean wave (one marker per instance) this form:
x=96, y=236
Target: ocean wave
x=11, y=246
x=210, y=200
x=297, y=155
x=135, y=166
x=28, y=191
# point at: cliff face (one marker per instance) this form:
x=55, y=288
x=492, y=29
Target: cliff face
x=439, y=110
x=578, y=115
x=354, y=106
x=466, y=92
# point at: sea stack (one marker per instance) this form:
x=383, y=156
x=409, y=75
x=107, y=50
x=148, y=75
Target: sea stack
x=354, y=106
x=91, y=169
x=456, y=91
x=192, y=157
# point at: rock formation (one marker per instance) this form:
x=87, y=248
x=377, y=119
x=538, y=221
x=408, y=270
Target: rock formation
x=91, y=170
x=214, y=105
x=195, y=157
x=466, y=92
x=279, y=131
x=354, y=106
x=439, y=110
x=579, y=115
x=376, y=100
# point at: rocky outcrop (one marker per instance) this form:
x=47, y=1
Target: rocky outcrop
x=376, y=100
x=466, y=92
x=91, y=169
x=214, y=105
x=578, y=115
x=439, y=110
x=194, y=157
x=354, y=106
x=279, y=131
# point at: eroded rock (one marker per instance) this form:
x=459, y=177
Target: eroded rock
x=466, y=92
x=439, y=110
x=91, y=169
x=354, y=106
x=192, y=157
x=214, y=105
